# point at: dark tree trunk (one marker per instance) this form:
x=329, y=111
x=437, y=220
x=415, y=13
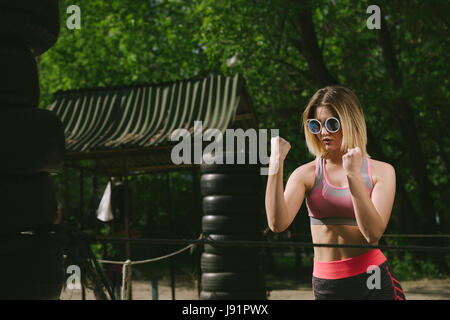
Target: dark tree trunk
x=407, y=127
x=311, y=50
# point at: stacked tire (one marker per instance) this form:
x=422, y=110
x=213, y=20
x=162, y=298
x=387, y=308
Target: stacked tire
x=232, y=205
x=33, y=147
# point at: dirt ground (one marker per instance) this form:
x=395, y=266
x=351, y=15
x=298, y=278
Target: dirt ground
x=425, y=289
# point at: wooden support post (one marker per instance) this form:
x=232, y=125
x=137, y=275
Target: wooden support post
x=197, y=215
x=93, y=200
x=126, y=206
x=66, y=193
x=82, y=226
x=81, y=217
x=169, y=211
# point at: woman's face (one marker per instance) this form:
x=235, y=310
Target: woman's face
x=330, y=141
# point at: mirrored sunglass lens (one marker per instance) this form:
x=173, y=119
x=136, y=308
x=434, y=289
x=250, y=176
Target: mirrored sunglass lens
x=332, y=125
x=314, y=126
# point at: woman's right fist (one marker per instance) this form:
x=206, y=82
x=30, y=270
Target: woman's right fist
x=279, y=148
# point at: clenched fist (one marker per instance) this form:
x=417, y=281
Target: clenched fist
x=279, y=148
x=352, y=160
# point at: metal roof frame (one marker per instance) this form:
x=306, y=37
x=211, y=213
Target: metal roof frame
x=126, y=130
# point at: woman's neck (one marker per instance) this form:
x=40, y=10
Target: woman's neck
x=334, y=158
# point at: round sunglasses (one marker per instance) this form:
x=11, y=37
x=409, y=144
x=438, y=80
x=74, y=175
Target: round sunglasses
x=332, y=125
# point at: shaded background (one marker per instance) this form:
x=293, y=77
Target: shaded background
x=286, y=51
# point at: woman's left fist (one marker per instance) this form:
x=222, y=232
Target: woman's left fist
x=352, y=160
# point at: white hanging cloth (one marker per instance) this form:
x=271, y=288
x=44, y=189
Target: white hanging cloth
x=104, y=211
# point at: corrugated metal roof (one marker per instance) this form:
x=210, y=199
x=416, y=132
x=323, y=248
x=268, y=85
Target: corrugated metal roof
x=138, y=118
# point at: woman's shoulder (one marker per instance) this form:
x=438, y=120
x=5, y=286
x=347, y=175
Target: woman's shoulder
x=379, y=169
x=306, y=167
x=306, y=174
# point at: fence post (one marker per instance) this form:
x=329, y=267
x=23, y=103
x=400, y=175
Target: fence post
x=154, y=289
x=126, y=280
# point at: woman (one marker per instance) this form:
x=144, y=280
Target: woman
x=349, y=198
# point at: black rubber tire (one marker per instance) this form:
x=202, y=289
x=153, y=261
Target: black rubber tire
x=32, y=22
x=19, y=79
x=32, y=269
x=27, y=202
x=32, y=141
x=232, y=205
x=217, y=224
x=257, y=295
x=210, y=262
x=233, y=282
x=229, y=184
x=233, y=249
x=225, y=167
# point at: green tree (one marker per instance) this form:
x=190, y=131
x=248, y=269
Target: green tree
x=286, y=50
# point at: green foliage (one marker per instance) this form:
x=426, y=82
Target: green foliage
x=412, y=265
x=123, y=42
x=409, y=267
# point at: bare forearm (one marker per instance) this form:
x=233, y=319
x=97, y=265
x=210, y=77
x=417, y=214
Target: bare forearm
x=369, y=221
x=276, y=208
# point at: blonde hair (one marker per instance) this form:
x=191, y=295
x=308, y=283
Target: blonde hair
x=344, y=104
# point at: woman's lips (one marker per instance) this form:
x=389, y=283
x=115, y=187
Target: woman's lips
x=327, y=141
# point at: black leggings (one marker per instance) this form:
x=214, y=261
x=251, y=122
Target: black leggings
x=377, y=285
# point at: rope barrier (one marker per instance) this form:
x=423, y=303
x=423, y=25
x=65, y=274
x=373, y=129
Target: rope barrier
x=203, y=239
x=200, y=238
x=273, y=244
x=164, y=257
x=148, y=260
x=392, y=235
x=127, y=272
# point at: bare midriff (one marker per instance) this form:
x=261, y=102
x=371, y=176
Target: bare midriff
x=338, y=234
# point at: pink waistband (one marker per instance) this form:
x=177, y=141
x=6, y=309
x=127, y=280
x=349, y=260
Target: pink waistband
x=348, y=267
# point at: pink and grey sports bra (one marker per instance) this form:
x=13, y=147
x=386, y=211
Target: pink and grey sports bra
x=328, y=204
